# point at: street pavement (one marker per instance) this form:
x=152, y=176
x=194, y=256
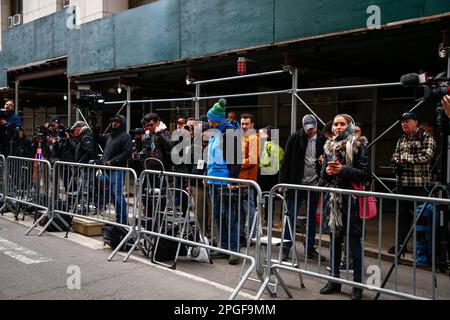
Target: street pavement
x=44, y=268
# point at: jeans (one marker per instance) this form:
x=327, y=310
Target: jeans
x=247, y=212
x=225, y=218
x=179, y=197
x=314, y=201
x=116, y=180
x=336, y=255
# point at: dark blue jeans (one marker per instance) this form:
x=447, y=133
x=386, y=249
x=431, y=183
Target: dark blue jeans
x=225, y=218
x=116, y=179
x=247, y=213
x=302, y=196
x=336, y=255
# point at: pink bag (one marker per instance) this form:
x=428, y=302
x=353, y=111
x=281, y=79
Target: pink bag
x=369, y=204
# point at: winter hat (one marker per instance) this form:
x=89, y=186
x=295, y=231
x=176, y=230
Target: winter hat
x=217, y=112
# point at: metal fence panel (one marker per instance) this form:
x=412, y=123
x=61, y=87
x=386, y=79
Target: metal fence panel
x=191, y=213
x=2, y=182
x=400, y=280
x=28, y=184
x=96, y=193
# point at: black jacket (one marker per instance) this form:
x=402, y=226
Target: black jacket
x=118, y=146
x=159, y=146
x=22, y=148
x=86, y=149
x=293, y=164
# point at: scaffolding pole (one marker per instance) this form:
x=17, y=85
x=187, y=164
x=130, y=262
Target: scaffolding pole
x=253, y=75
x=294, y=72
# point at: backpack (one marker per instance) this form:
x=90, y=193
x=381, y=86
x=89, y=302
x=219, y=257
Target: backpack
x=64, y=222
x=113, y=236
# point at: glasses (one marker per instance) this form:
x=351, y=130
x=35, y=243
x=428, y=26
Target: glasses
x=150, y=125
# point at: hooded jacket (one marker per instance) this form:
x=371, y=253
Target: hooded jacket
x=117, y=145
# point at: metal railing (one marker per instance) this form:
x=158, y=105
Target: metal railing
x=408, y=280
x=95, y=193
x=210, y=213
x=2, y=182
x=28, y=183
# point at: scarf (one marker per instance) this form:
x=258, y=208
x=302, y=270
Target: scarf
x=341, y=149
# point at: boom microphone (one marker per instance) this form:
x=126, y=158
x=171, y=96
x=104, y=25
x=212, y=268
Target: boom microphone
x=413, y=80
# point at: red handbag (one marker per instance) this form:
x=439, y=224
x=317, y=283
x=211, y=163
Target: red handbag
x=367, y=205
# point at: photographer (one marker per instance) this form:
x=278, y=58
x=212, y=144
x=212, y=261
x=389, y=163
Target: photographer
x=22, y=146
x=9, y=123
x=411, y=162
x=85, y=150
x=62, y=147
x=157, y=142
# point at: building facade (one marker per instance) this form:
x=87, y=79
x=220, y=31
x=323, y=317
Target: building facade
x=58, y=49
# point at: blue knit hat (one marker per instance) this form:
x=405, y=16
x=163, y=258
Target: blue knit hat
x=217, y=112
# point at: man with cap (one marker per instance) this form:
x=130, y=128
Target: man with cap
x=225, y=217
x=85, y=150
x=301, y=167
x=411, y=162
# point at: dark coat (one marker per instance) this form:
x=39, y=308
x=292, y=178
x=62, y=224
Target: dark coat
x=293, y=164
x=358, y=173
x=118, y=146
x=86, y=149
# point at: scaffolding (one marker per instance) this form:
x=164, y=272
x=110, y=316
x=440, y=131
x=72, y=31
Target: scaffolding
x=295, y=93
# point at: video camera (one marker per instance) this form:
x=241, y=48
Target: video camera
x=434, y=89
x=91, y=99
x=3, y=113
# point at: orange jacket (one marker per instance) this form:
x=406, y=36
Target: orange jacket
x=250, y=157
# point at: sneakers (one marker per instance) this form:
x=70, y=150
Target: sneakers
x=392, y=250
x=342, y=268
x=314, y=255
x=219, y=255
x=234, y=260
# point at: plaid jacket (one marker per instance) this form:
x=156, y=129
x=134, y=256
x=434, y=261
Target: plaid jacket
x=415, y=152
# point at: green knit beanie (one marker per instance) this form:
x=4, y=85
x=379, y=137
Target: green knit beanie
x=217, y=112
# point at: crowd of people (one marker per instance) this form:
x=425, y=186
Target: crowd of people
x=336, y=157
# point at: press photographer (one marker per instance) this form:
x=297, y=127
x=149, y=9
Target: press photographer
x=62, y=146
x=9, y=127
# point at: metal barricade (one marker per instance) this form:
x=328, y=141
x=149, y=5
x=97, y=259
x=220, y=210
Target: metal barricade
x=2, y=182
x=180, y=213
x=97, y=193
x=411, y=278
x=27, y=184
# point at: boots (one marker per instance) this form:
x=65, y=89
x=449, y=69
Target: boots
x=331, y=287
x=357, y=294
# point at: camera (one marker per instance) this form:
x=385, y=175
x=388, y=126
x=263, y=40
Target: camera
x=91, y=99
x=398, y=167
x=434, y=89
x=3, y=113
x=137, y=131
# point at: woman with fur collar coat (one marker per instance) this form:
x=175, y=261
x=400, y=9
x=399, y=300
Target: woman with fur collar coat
x=346, y=162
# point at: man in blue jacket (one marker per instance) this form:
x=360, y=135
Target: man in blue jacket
x=10, y=123
x=225, y=217
x=118, y=149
